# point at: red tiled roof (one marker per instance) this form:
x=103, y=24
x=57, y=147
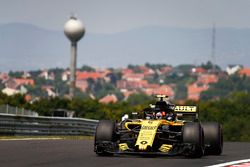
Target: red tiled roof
x=195, y=89
x=126, y=71
x=160, y=89
x=198, y=70
x=109, y=99
x=128, y=93
x=86, y=75
x=27, y=97
x=22, y=81
x=166, y=69
x=245, y=71
x=208, y=78
x=146, y=71
x=133, y=76
x=123, y=84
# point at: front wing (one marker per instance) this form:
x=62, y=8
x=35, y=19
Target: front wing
x=114, y=148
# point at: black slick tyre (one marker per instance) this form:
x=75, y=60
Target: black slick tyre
x=213, y=138
x=193, y=134
x=105, y=133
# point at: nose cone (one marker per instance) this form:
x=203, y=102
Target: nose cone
x=74, y=29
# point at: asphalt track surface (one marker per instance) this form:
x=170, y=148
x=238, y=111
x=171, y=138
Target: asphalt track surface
x=74, y=153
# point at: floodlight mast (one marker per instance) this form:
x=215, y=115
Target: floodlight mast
x=74, y=30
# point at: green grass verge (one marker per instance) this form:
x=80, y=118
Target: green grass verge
x=48, y=137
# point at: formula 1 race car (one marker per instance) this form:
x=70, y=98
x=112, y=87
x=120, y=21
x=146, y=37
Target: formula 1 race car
x=162, y=128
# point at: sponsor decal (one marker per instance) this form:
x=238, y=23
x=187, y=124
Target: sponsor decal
x=150, y=122
x=147, y=134
x=165, y=148
x=185, y=108
x=123, y=146
x=149, y=127
x=144, y=142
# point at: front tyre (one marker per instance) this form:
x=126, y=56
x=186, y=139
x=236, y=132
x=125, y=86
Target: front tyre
x=105, y=137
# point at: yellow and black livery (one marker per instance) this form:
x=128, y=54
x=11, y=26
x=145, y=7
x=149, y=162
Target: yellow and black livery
x=177, y=132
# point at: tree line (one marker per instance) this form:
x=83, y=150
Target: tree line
x=232, y=111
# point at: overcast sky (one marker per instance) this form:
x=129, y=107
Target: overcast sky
x=111, y=16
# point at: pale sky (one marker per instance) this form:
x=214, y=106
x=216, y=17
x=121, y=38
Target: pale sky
x=111, y=16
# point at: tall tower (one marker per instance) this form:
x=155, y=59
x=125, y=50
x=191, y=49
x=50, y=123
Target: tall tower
x=74, y=30
x=213, y=60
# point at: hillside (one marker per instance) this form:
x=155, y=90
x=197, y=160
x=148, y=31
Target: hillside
x=27, y=47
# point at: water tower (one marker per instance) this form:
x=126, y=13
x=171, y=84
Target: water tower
x=74, y=30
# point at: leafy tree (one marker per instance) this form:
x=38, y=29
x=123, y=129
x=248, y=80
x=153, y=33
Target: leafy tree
x=139, y=98
x=114, y=77
x=180, y=92
x=16, y=74
x=135, y=68
x=226, y=86
x=36, y=91
x=209, y=66
x=233, y=112
x=1, y=85
x=35, y=74
x=156, y=66
x=87, y=68
x=184, y=68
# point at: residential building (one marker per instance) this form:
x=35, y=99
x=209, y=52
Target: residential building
x=232, y=69
x=46, y=75
x=82, y=85
x=195, y=89
x=153, y=89
x=165, y=69
x=133, y=76
x=245, y=71
x=26, y=75
x=4, y=77
x=10, y=91
x=146, y=71
x=23, y=81
x=89, y=75
x=110, y=98
x=198, y=70
x=50, y=90
x=65, y=75
x=208, y=78
x=124, y=84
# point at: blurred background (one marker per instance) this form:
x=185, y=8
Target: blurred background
x=195, y=52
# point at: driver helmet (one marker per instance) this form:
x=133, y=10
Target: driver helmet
x=158, y=115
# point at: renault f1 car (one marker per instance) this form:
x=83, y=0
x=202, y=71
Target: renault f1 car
x=162, y=128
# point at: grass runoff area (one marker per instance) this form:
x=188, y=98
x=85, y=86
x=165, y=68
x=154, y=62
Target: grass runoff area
x=46, y=137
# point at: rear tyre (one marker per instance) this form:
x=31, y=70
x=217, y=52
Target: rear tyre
x=105, y=136
x=213, y=138
x=193, y=134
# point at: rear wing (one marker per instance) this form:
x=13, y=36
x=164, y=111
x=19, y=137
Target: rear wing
x=187, y=113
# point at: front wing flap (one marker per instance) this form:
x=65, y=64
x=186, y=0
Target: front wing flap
x=169, y=150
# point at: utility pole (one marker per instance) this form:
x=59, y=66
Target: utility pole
x=213, y=60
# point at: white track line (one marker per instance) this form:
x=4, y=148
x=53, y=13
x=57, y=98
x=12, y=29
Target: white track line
x=230, y=163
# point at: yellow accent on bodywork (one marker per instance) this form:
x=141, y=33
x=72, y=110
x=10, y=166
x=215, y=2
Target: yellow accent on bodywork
x=165, y=148
x=147, y=133
x=123, y=147
x=131, y=123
